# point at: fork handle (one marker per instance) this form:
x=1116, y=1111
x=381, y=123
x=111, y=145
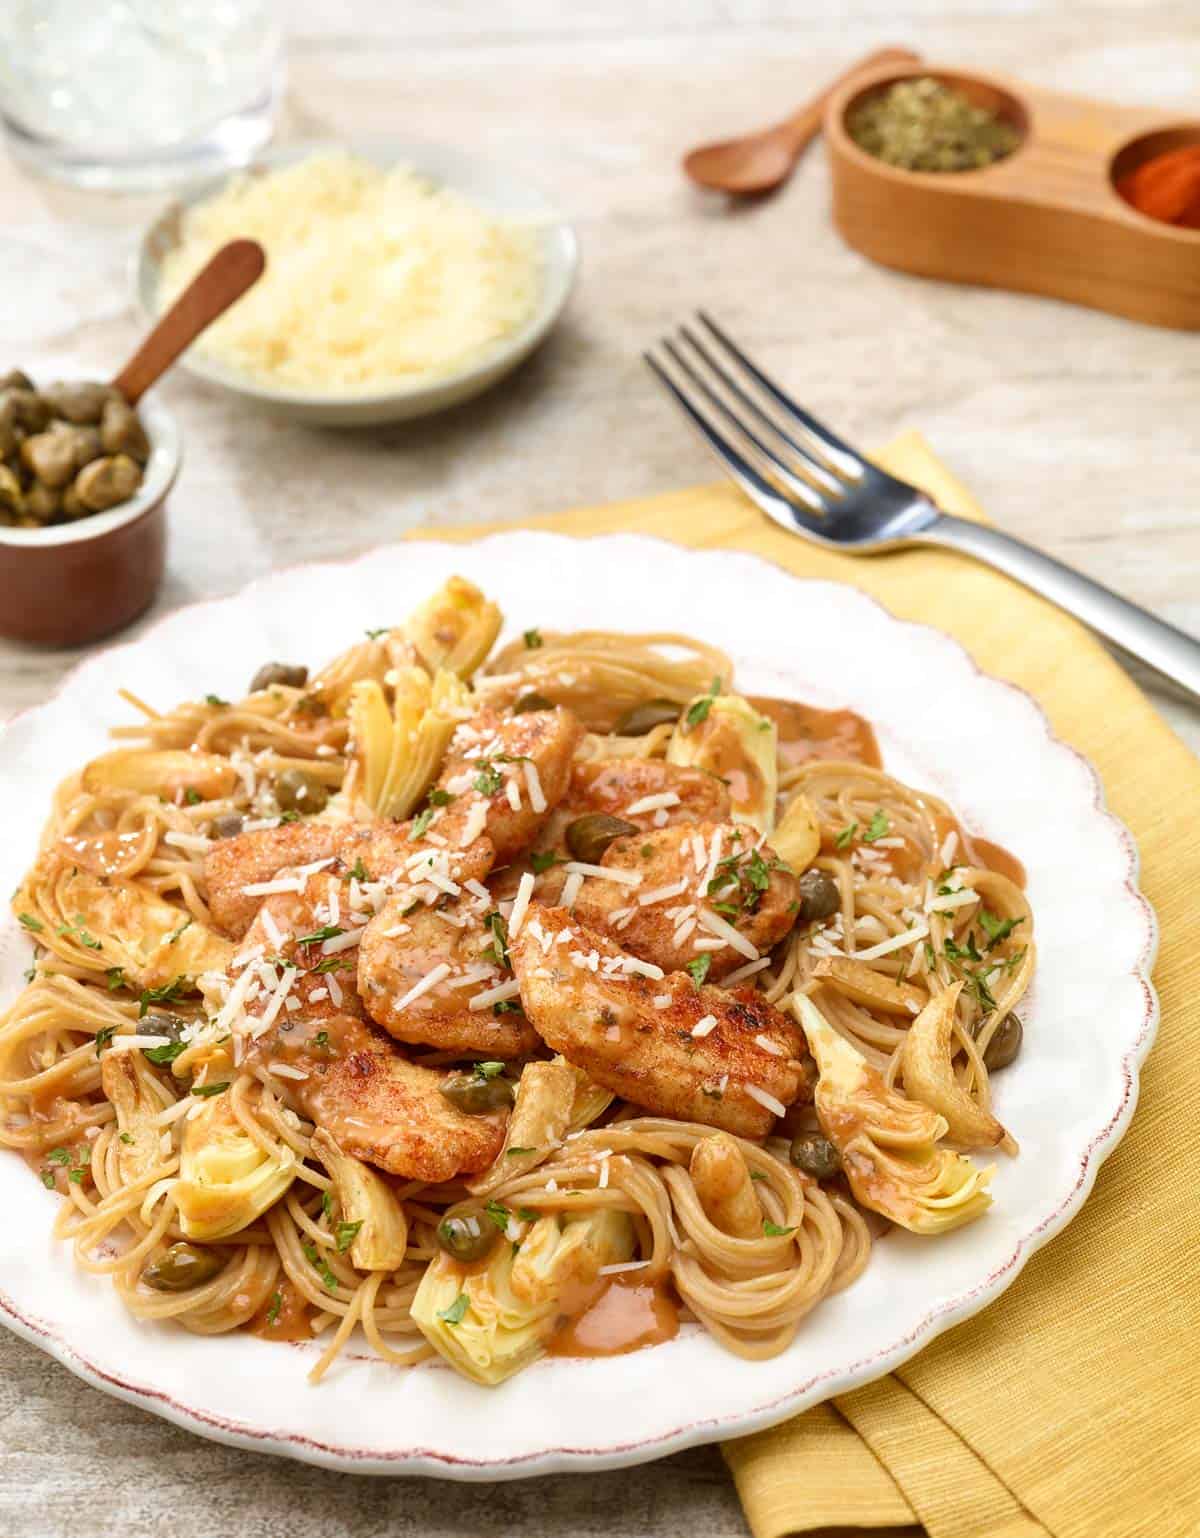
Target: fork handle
x=1164, y=647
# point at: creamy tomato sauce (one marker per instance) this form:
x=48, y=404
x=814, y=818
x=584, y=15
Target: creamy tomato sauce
x=624, y=1314
x=806, y=732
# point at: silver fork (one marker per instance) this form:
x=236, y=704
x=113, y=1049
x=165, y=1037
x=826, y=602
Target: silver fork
x=814, y=484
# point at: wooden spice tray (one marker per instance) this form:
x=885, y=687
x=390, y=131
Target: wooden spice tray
x=1047, y=219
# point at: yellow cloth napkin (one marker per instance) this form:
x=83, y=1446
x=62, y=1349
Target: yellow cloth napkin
x=1070, y=1407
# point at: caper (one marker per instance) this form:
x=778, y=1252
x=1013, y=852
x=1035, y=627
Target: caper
x=589, y=836
x=643, y=718
x=228, y=826
x=295, y=676
x=183, y=1267
x=160, y=1023
x=16, y=379
x=477, y=1095
x=121, y=431
x=1005, y=1044
x=51, y=457
x=30, y=410
x=12, y=498
x=9, y=437
x=298, y=791
x=467, y=1233
x=42, y=503
x=531, y=701
x=819, y=896
x=78, y=400
x=72, y=507
x=108, y=481
x=815, y=1155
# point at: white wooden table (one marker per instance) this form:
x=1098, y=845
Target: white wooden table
x=1076, y=430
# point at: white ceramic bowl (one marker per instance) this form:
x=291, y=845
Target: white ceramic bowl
x=499, y=191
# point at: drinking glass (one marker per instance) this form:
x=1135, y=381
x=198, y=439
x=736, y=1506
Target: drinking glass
x=132, y=94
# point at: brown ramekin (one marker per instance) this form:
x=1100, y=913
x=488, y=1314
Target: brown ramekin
x=74, y=582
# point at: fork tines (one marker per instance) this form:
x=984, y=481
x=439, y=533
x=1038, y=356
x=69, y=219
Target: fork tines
x=770, y=445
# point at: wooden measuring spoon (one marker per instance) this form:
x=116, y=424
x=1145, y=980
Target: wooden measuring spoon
x=228, y=275
x=762, y=161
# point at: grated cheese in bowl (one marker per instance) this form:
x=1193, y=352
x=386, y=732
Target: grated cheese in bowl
x=374, y=277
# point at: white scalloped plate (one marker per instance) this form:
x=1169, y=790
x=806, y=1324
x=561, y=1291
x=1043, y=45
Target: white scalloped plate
x=982, y=744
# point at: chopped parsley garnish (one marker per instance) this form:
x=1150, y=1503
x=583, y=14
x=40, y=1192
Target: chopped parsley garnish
x=454, y=1314
x=698, y=710
x=845, y=836
x=421, y=823
x=168, y=993
x=749, y=878
x=321, y=1042
x=358, y=871
x=320, y=1265
x=29, y=922
x=276, y=1305
x=487, y=782
x=126, y=1137
x=326, y=932
x=497, y=951
x=757, y=1175
x=877, y=827
x=48, y=1180
x=499, y=1215
x=79, y=932
x=288, y=817
x=331, y=964
x=343, y=1235
x=167, y=1053
x=543, y=859
x=488, y=1070
x=59, y=1156
x=930, y=957
x=698, y=967
x=996, y=929
x=528, y=1214
x=533, y=639
x=373, y=635
x=511, y=1153
x=326, y=1202
x=192, y=796
x=773, y=1230
x=955, y=952
x=103, y=1036
x=216, y=701
x=210, y=1089
x=506, y=1007
x=439, y=797
x=175, y=933
x=75, y=1177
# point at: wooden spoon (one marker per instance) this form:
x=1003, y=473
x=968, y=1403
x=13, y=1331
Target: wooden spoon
x=762, y=161
x=225, y=278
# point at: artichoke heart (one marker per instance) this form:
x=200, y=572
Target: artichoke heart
x=138, y=1097
x=226, y=1181
x=926, y=1060
x=454, y=629
x=547, y=1095
x=797, y=836
x=368, y=1208
x=400, y=750
x=887, y=1143
x=102, y=922
x=490, y=1324
x=724, y=735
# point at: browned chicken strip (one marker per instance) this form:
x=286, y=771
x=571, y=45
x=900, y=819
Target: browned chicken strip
x=730, y=1060
x=377, y=1104
x=437, y=976
x=698, y=881
x=617, y=785
x=506, y=774
x=250, y=859
x=613, y=786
